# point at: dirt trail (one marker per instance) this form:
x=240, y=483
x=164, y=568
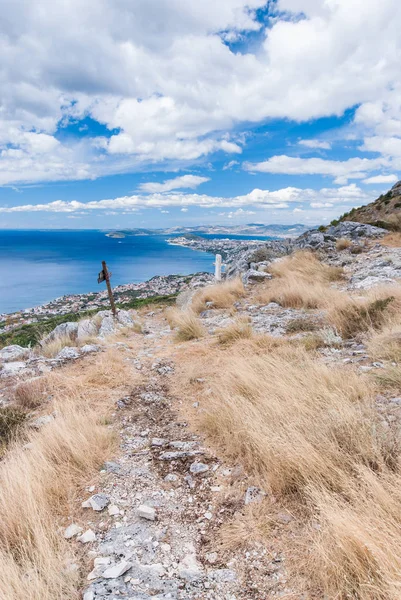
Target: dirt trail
x=166, y=466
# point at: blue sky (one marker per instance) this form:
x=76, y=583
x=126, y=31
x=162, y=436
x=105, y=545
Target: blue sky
x=168, y=112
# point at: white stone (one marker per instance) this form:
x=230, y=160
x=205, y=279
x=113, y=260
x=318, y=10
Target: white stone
x=189, y=568
x=89, y=348
x=86, y=328
x=146, y=512
x=117, y=570
x=254, y=494
x=102, y=561
x=97, y=502
x=107, y=327
x=14, y=353
x=89, y=595
x=68, y=353
x=197, y=468
x=12, y=368
x=87, y=537
x=72, y=530
x=113, y=510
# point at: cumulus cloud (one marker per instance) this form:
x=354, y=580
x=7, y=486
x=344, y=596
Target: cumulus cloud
x=281, y=198
x=341, y=171
x=319, y=144
x=381, y=179
x=163, y=81
x=185, y=181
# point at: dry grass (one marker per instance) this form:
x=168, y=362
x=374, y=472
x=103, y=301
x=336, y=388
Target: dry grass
x=379, y=307
x=37, y=486
x=297, y=293
x=240, y=329
x=392, y=240
x=31, y=393
x=221, y=295
x=301, y=281
x=343, y=244
x=51, y=348
x=310, y=435
x=385, y=344
x=305, y=266
x=186, y=324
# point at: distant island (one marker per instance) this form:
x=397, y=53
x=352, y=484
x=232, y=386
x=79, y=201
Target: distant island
x=252, y=229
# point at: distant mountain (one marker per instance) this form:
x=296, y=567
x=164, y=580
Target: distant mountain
x=252, y=229
x=384, y=212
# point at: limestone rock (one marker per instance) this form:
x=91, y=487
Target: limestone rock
x=254, y=494
x=107, y=327
x=14, y=353
x=68, y=353
x=12, y=368
x=117, y=570
x=198, y=467
x=86, y=328
x=87, y=537
x=72, y=530
x=41, y=421
x=69, y=329
x=124, y=318
x=97, y=502
x=146, y=512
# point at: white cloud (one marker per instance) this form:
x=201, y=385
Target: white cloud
x=319, y=144
x=381, y=179
x=185, y=181
x=353, y=168
x=282, y=198
x=160, y=77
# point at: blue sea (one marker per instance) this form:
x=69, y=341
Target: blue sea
x=39, y=266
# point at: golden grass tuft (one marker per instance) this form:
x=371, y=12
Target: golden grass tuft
x=31, y=393
x=297, y=293
x=304, y=265
x=385, y=344
x=38, y=485
x=377, y=308
x=186, y=324
x=343, y=244
x=221, y=295
x=392, y=240
x=239, y=329
x=51, y=348
x=301, y=281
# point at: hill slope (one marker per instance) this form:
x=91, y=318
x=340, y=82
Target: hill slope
x=384, y=212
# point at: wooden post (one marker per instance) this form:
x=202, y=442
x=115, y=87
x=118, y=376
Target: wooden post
x=217, y=271
x=109, y=290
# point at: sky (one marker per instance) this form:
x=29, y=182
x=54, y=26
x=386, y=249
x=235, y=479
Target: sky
x=156, y=113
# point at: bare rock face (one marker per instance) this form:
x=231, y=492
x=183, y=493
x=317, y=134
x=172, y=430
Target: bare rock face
x=108, y=327
x=14, y=352
x=396, y=189
x=69, y=329
x=86, y=328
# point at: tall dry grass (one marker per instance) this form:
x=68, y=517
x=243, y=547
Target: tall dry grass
x=377, y=308
x=38, y=485
x=310, y=434
x=221, y=295
x=301, y=281
x=241, y=328
x=186, y=324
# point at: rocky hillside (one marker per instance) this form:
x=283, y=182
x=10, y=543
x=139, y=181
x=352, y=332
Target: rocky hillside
x=383, y=212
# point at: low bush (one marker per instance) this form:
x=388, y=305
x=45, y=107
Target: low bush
x=31, y=393
x=11, y=419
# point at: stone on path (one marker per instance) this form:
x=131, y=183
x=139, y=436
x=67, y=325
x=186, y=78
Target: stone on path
x=197, y=468
x=97, y=502
x=87, y=537
x=146, y=512
x=117, y=570
x=254, y=494
x=179, y=454
x=72, y=530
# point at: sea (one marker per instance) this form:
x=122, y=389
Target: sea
x=37, y=266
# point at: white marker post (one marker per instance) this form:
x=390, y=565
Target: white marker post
x=217, y=270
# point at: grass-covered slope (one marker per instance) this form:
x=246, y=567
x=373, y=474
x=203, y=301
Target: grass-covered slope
x=384, y=212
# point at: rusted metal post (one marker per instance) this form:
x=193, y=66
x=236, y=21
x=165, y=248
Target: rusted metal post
x=109, y=290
